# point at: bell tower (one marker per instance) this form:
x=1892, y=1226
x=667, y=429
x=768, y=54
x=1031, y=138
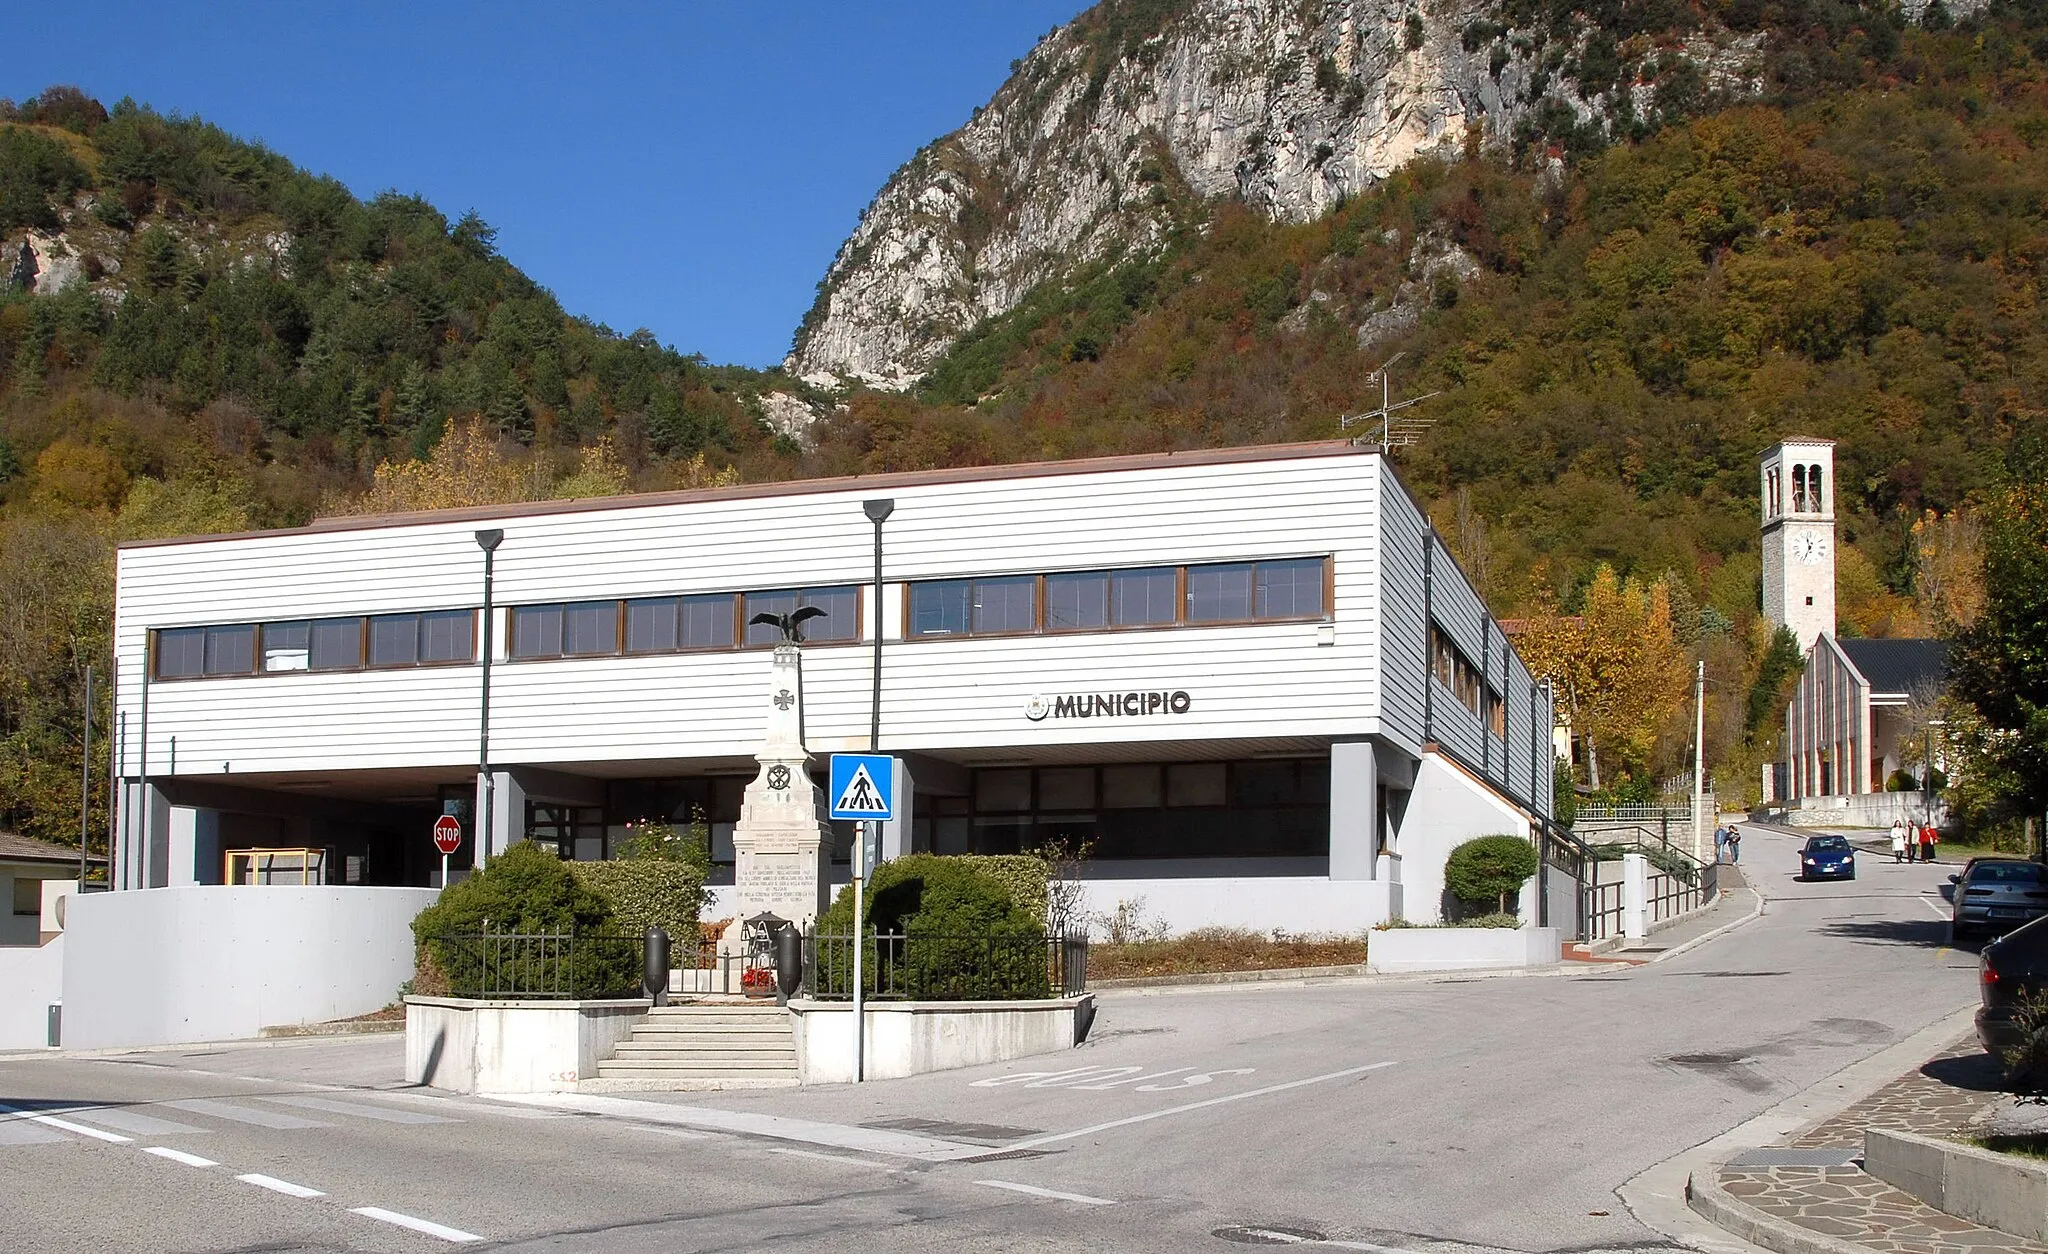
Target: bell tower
x=1798, y=489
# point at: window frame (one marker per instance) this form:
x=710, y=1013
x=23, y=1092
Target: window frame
x=1042, y=595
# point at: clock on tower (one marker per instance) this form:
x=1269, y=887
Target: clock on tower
x=1798, y=497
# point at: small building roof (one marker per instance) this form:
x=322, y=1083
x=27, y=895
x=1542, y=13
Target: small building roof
x=1899, y=666
x=14, y=848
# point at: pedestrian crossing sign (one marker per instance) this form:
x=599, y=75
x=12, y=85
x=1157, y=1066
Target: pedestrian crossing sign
x=863, y=786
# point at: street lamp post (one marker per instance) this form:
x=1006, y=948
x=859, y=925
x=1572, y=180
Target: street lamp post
x=487, y=540
x=878, y=511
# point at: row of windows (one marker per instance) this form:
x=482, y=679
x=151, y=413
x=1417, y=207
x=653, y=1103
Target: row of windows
x=1464, y=681
x=379, y=641
x=672, y=624
x=1101, y=600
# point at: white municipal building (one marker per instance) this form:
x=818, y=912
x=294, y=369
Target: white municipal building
x=1253, y=678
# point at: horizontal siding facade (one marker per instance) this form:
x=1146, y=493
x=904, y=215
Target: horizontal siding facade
x=1253, y=681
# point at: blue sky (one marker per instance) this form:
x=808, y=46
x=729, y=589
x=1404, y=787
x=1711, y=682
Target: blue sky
x=686, y=167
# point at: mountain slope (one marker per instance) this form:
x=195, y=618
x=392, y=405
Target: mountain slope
x=1123, y=126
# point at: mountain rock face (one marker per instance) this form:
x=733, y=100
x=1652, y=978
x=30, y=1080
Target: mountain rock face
x=1116, y=124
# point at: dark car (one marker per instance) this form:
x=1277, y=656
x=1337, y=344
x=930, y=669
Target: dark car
x=2012, y=969
x=1992, y=896
x=1827, y=858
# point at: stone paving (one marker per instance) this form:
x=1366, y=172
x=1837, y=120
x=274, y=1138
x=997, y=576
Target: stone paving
x=1954, y=1093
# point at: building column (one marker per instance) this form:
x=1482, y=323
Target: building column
x=1354, y=805
x=507, y=815
x=193, y=840
x=144, y=859
x=896, y=832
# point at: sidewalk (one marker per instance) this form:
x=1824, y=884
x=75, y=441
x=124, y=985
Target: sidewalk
x=1736, y=904
x=1808, y=1193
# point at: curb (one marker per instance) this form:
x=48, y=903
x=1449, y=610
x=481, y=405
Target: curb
x=344, y=1027
x=1703, y=1192
x=1755, y=912
x=1258, y=976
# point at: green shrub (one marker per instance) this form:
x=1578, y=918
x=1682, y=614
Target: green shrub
x=645, y=892
x=525, y=890
x=1486, y=870
x=1024, y=875
x=947, y=909
x=1901, y=780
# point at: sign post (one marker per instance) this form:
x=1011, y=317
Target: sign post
x=447, y=838
x=863, y=787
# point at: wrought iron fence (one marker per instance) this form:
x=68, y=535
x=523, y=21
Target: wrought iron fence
x=539, y=965
x=1603, y=908
x=1671, y=896
x=919, y=967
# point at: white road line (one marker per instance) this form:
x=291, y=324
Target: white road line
x=131, y=1121
x=1941, y=910
x=1036, y=1141
x=754, y=1123
x=52, y=1121
x=1034, y=1191
x=359, y=1110
x=276, y=1185
x=245, y=1114
x=427, y=1226
x=180, y=1156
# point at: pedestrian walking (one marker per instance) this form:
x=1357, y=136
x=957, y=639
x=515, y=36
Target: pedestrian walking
x=1734, y=844
x=1898, y=840
x=1721, y=843
x=1928, y=838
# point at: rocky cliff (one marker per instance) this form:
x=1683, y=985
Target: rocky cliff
x=1120, y=125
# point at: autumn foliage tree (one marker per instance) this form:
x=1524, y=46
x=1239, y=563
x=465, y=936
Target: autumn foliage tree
x=1618, y=667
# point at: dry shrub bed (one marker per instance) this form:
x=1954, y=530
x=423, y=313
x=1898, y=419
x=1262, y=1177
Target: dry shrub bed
x=1213, y=949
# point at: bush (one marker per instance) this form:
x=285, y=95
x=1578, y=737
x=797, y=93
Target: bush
x=524, y=890
x=944, y=907
x=1024, y=876
x=1902, y=780
x=644, y=893
x=1484, y=871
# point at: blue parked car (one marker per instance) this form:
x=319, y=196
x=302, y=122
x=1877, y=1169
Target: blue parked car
x=1827, y=858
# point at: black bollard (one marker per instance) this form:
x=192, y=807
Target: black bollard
x=654, y=966
x=789, y=962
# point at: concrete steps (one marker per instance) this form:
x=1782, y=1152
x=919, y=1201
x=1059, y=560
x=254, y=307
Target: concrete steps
x=705, y=1046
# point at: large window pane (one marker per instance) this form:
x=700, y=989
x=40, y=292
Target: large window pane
x=1077, y=602
x=287, y=646
x=939, y=609
x=1290, y=589
x=337, y=644
x=1144, y=596
x=447, y=636
x=1002, y=791
x=591, y=627
x=181, y=652
x=394, y=639
x=651, y=625
x=1263, y=784
x=537, y=631
x=769, y=603
x=230, y=650
x=842, y=614
x=1006, y=604
x=1219, y=594
x=1195, y=784
x=707, y=622
x=1131, y=787
x=1066, y=788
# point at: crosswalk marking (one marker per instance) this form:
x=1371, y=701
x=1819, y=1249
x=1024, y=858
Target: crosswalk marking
x=384, y=1114
x=180, y=1156
x=130, y=1121
x=52, y=1121
x=244, y=1114
x=276, y=1185
x=15, y=1132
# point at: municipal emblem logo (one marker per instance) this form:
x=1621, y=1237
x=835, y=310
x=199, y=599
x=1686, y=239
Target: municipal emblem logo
x=1036, y=709
x=778, y=777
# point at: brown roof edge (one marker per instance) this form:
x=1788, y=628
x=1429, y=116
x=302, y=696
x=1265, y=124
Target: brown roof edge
x=792, y=487
x=16, y=848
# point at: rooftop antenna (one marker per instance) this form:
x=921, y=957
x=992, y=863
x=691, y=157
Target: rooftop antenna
x=1393, y=432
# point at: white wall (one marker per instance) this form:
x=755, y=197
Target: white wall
x=1292, y=894
x=1261, y=680
x=1448, y=808
x=911, y=1038
x=31, y=977
x=204, y=963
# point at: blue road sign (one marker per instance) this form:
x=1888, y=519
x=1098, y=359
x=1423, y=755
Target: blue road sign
x=863, y=786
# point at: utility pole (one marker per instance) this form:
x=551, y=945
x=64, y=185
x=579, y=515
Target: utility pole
x=1699, y=760
x=85, y=781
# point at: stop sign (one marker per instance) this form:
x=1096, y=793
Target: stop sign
x=447, y=833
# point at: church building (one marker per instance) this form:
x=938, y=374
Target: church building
x=1852, y=713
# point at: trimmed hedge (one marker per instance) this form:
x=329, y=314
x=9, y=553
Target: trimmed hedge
x=1486, y=870
x=943, y=906
x=649, y=892
x=524, y=890
x=1024, y=876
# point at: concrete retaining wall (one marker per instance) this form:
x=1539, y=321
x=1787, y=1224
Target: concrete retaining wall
x=512, y=1046
x=911, y=1038
x=1865, y=809
x=1461, y=948
x=208, y=963
x=2002, y=1191
x=31, y=977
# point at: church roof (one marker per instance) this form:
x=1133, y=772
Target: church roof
x=1899, y=666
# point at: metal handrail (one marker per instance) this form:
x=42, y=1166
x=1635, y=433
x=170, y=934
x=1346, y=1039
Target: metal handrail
x=538, y=965
x=922, y=967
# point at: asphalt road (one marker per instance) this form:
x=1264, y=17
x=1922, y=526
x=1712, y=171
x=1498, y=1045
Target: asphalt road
x=1438, y=1116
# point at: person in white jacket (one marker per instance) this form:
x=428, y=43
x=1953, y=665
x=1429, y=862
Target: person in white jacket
x=1898, y=840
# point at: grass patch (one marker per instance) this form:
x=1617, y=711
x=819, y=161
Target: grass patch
x=1216, y=949
x=2022, y=1144
x=1496, y=919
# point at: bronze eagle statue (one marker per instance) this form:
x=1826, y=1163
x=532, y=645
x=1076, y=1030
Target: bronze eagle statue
x=791, y=624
